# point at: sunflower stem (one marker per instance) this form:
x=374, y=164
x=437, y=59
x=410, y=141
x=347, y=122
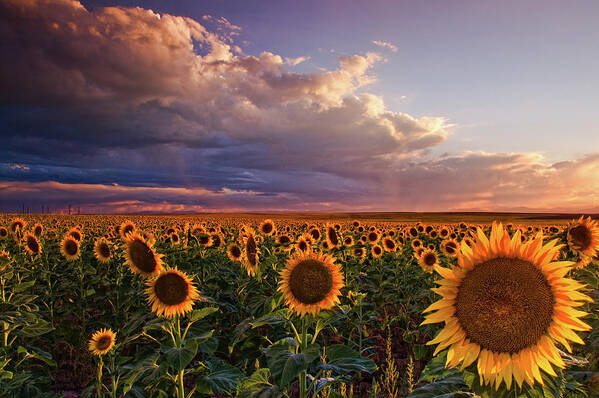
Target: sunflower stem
x=304, y=344
x=178, y=344
x=99, y=385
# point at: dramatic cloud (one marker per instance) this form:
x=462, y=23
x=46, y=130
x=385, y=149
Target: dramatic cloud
x=175, y=114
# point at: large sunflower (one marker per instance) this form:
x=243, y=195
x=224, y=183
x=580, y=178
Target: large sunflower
x=583, y=237
x=311, y=282
x=141, y=257
x=506, y=305
x=102, y=342
x=171, y=293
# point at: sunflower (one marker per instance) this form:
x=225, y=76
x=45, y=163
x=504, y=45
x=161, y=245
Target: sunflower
x=315, y=234
x=75, y=234
x=302, y=244
x=506, y=305
x=332, y=239
x=284, y=240
x=32, y=245
x=102, y=250
x=205, y=240
x=356, y=223
x=376, y=251
x=359, y=252
x=174, y=238
x=69, y=247
x=217, y=240
x=416, y=243
x=373, y=237
x=102, y=342
x=250, y=254
x=267, y=227
x=449, y=247
x=17, y=225
x=197, y=230
x=171, y=293
x=311, y=282
x=234, y=252
x=348, y=241
x=37, y=230
x=428, y=259
x=3, y=232
x=126, y=228
x=389, y=245
x=141, y=257
x=583, y=237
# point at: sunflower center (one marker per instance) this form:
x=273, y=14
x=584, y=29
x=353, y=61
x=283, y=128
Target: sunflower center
x=235, y=251
x=103, y=343
x=303, y=246
x=3, y=232
x=267, y=228
x=332, y=234
x=310, y=281
x=171, y=289
x=505, y=304
x=70, y=247
x=142, y=256
x=430, y=259
x=581, y=236
x=32, y=244
x=104, y=250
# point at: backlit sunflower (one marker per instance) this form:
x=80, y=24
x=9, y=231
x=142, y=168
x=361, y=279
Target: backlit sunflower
x=102, y=342
x=267, y=227
x=449, y=247
x=171, y=293
x=102, y=250
x=69, y=248
x=141, y=257
x=583, y=237
x=506, y=305
x=373, y=237
x=315, y=234
x=18, y=224
x=251, y=252
x=302, y=244
x=311, y=282
x=427, y=260
x=359, y=252
x=32, y=245
x=3, y=232
x=348, y=241
x=416, y=243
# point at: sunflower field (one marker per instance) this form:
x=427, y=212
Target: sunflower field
x=241, y=306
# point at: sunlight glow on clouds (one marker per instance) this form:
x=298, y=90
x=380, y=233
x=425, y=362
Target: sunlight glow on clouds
x=182, y=120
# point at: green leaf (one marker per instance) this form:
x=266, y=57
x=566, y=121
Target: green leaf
x=256, y=382
x=38, y=354
x=285, y=365
x=342, y=360
x=222, y=378
x=179, y=358
x=201, y=313
x=37, y=329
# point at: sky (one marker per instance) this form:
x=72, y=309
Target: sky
x=231, y=106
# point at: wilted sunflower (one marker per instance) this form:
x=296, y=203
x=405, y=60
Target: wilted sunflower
x=376, y=251
x=583, y=237
x=102, y=342
x=126, y=228
x=32, y=245
x=506, y=305
x=332, y=239
x=251, y=252
x=234, y=252
x=141, y=257
x=102, y=250
x=311, y=282
x=171, y=293
x=69, y=247
x=267, y=227
x=427, y=260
